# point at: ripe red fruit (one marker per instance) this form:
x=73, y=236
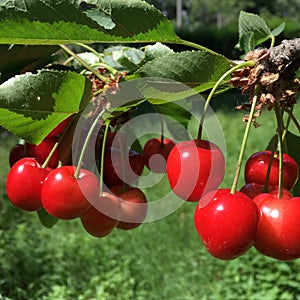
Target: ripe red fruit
x=24, y=184
x=41, y=151
x=134, y=207
x=257, y=165
x=226, y=223
x=195, y=170
x=16, y=153
x=65, y=197
x=122, y=167
x=103, y=217
x=254, y=189
x=59, y=129
x=116, y=140
x=278, y=231
x=155, y=154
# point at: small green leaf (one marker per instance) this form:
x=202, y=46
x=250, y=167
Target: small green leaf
x=279, y=29
x=46, y=219
x=246, y=42
x=156, y=50
x=31, y=105
x=248, y=23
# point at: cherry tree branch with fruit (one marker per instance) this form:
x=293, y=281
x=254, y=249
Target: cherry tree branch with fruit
x=74, y=109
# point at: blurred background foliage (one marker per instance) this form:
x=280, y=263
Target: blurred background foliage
x=214, y=23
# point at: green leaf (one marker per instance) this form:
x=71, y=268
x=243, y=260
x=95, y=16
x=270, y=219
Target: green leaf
x=46, y=219
x=246, y=42
x=15, y=59
x=61, y=22
x=292, y=147
x=251, y=23
x=156, y=50
x=124, y=58
x=31, y=105
x=279, y=29
x=196, y=69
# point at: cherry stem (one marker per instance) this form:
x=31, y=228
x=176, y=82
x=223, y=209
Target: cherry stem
x=291, y=115
x=266, y=185
x=249, y=63
x=46, y=162
x=85, y=145
x=84, y=63
x=280, y=143
x=244, y=142
x=102, y=157
x=162, y=131
x=288, y=121
x=92, y=50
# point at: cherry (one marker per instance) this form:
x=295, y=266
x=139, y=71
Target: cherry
x=103, y=217
x=59, y=129
x=16, y=153
x=226, y=223
x=41, y=151
x=118, y=163
x=254, y=189
x=194, y=170
x=133, y=207
x=65, y=197
x=278, y=231
x=115, y=139
x=24, y=184
x=257, y=166
x=156, y=152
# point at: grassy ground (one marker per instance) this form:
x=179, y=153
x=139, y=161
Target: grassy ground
x=159, y=260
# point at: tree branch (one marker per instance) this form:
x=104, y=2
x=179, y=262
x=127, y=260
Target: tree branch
x=285, y=56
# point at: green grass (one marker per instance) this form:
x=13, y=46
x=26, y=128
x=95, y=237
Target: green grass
x=159, y=260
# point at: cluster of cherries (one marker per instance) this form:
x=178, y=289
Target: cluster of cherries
x=36, y=182
x=230, y=223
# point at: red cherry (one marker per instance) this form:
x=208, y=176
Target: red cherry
x=195, y=170
x=24, y=184
x=156, y=152
x=257, y=166
x=254, y=189
x=278, y=231
x=226, y=223
x=103, y=217
x=41, y=151
x=65, y=197
x=59, y=129
x=117, y=164
x=133, y=207
x=16, y=153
